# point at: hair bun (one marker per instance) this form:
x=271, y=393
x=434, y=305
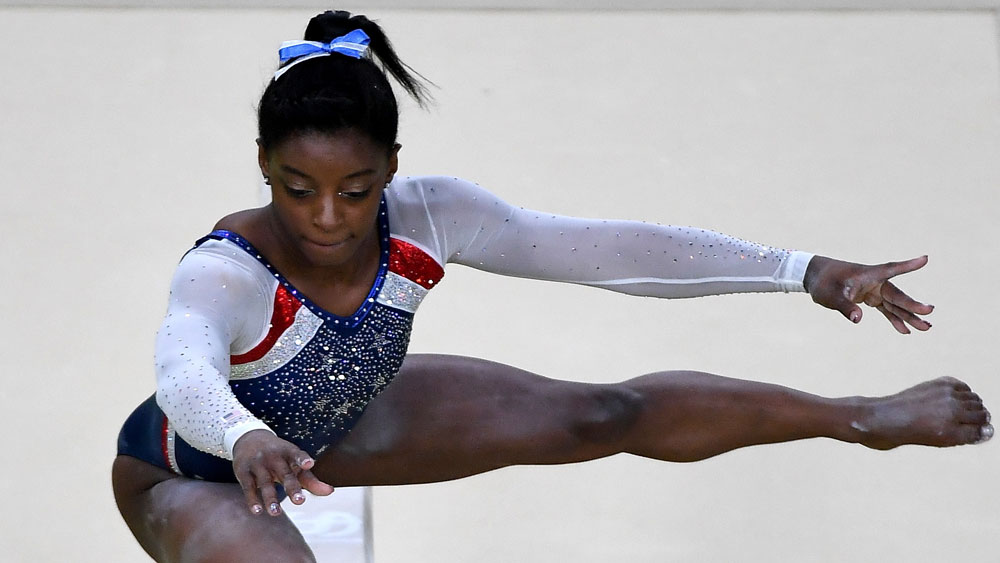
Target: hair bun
x=332, y=24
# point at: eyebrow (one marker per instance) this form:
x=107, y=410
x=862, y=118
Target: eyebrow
x=297, y=172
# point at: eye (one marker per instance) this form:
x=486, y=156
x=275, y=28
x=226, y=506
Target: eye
x=359, y=194
x=297, y=192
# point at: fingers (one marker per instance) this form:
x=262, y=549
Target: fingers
x=900, y=309
x=843, y=301
x=312, y=484
x=249, y=486
x=893, y=269
x=894, y=295
x=268, y=494
x=905, y=316
x=897, y=323
x=269, y=461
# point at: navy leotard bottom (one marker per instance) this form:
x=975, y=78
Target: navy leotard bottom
x=144, y=436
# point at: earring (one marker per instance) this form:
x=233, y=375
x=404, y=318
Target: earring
x=267, y=180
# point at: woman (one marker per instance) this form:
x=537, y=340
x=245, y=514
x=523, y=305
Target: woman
x=282, y=359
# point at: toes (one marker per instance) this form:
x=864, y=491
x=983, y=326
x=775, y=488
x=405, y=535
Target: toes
x=958, y=384
x=954, y=383
x=985, y=433
x=975, y=416
x=972, y=404
x=969, y=396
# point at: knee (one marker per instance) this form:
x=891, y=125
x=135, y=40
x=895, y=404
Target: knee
x=606, y=414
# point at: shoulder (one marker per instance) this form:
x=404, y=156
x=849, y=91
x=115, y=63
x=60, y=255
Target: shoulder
x=216, y=261
x=243, y=222
x=436, y=191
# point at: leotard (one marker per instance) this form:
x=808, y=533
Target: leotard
x=242, y=349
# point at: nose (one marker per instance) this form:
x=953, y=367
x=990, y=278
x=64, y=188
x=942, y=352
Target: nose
x=327, y=215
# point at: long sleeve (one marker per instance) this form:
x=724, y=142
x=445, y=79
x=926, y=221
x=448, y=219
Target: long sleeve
x=216, y=306
x=463, y=223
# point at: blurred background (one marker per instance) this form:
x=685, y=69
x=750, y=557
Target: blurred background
x=862, y=130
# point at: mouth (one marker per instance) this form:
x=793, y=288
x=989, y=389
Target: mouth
x=326, y=245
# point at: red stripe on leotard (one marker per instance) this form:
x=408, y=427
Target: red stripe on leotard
x=413, y=264
x=285, y=307
x=163, y=443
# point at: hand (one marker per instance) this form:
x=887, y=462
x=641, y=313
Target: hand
x=842, y=285
x=261, y=459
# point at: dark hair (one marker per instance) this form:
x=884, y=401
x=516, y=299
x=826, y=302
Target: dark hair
x=334, y=93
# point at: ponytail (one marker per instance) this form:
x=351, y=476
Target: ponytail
x=335, y=93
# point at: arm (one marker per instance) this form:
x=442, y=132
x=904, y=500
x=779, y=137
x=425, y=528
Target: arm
x=475, y=228
x=462, y=222
x=216, y=306
x=211, y=302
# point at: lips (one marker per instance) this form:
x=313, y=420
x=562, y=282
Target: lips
x=326, y=244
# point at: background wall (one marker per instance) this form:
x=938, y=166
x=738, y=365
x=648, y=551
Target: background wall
x=869, y=136
x=517, y=5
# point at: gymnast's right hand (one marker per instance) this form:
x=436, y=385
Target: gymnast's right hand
x=261, y=459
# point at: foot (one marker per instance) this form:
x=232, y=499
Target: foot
x=943, y=412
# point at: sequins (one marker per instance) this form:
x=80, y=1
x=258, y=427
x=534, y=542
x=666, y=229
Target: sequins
x=287, y=343
x=170, y=446
x=285, y=308
x=401, y=293
x=318, y=394
x=414, y=264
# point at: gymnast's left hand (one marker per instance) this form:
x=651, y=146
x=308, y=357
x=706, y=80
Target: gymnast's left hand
x=841, y=286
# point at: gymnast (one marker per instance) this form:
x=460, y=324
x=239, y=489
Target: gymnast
x=281, y=363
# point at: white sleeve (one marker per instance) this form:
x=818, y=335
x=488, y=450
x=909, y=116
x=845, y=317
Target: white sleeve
x=215, y=304
x=468, y=225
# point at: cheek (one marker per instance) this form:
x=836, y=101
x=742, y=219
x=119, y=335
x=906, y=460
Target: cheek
x=290, y=215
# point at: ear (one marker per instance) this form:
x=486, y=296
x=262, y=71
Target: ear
x=262, y=160
x=393, y=162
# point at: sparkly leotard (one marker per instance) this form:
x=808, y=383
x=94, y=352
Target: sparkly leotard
x=242, y=349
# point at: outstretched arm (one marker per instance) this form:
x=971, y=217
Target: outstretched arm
x=466, y=224
x=458, y=221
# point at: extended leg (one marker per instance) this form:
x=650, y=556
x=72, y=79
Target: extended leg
x=447, y=417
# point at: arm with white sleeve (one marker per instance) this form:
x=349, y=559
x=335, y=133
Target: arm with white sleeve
x=467, y=224
x=216, y=306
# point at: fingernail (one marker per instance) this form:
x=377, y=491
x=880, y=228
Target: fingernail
x=854, y=317
x=298, y=497
x=273, y=508
x=256, y=509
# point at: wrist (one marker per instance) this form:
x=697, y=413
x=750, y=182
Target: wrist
x=812, y=272
x=235, y=434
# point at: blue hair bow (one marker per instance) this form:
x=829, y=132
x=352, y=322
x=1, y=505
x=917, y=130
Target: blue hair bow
x=353, y=44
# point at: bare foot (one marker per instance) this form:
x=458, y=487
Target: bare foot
x=943, y=412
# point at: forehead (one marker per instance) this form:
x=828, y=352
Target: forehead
x=344, y=152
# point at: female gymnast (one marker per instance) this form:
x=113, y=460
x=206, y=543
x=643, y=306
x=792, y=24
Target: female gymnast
x=281, y=363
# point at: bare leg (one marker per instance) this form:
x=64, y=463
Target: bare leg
x=447, y=417
x=178, y=519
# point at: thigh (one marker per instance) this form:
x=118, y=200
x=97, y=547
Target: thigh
x=181, y=519
x=446, y=417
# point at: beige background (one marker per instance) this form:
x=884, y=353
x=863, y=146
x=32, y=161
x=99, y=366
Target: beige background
x=870, y=136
